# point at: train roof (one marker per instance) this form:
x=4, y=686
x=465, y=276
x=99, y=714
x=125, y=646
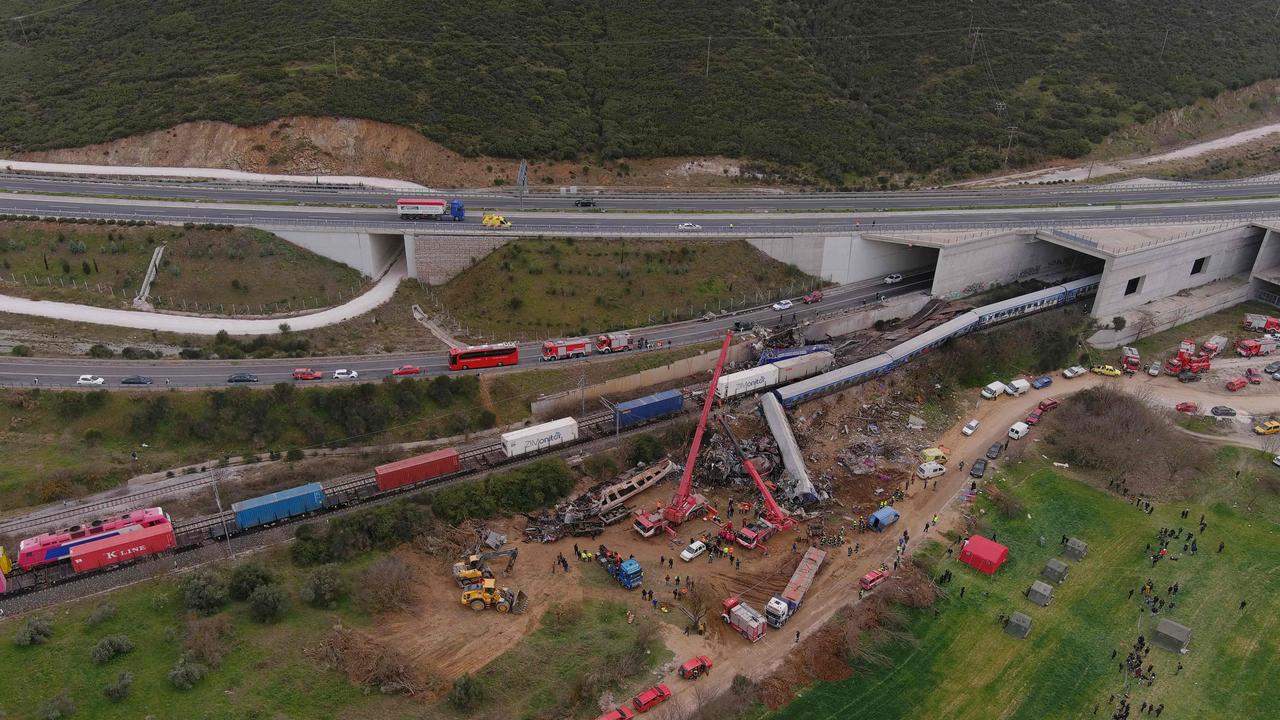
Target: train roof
x=847, y=375
x=933, y=336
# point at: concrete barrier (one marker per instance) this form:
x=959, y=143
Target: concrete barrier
x=901, y=307
x=570, y=401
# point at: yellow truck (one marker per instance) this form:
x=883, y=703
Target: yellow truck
x=1270, y=427
x=934, y=454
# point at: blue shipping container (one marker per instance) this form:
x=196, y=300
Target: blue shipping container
x=278, y=505
x=634, y=412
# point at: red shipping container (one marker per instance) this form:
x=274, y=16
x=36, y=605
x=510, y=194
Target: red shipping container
x=125, y=547
x=416, y=469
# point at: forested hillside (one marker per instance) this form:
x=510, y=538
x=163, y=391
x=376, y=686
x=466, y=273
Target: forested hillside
x=849, y=90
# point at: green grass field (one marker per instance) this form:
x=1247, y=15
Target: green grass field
x=264, y=667
x=217, y=269
x=964, y=666
x=551, y=288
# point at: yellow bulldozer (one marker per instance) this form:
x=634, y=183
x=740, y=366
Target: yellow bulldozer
x=475, y=568
x=487, y=594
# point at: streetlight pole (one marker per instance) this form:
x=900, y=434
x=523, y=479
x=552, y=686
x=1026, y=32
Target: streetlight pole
x=218, y=499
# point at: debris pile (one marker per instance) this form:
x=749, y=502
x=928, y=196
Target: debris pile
x=602, y=505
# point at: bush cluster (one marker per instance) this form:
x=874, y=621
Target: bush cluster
x=111, y=647
x=36, y=631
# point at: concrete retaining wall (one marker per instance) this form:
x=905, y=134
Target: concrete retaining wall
x=550, y=406
x=1172, y=311
x=976, y=266
x=436, y=259
x=901, y=306
x=370, y=253
x=843, y=258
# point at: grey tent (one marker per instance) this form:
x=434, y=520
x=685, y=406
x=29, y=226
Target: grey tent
x=1055, y=570
x=1040, y=593
x=1172, y=636
x=1018, y=625
x=1077, y=549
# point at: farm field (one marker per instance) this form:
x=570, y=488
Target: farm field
x=552, y=288
x=962, y=665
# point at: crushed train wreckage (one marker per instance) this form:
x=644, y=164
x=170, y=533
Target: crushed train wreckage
x=602, y=505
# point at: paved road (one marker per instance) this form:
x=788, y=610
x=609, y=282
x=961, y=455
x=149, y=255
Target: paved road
x=657, y=201
x=53, y=372
x=638, y=224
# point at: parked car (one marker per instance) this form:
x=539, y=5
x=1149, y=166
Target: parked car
x=90, y=380
x=1186, y=376
x=646, y=700
x=969, y=427
x=1187, y=407
x=1042, y=382
x=1105, y=370
x=407, y=370
x=1222, y=411
x=242, y=378
x=1048, y=404
x=1235, y=384
x=993, y=452
x=696, y=548
x=584, y=202
x=622, y=713
x=1276, y=461
x=1275, y=376
x=136, y=380
x=1253, y=376
x=1034, y=417
x=782, y=305
x=893, y=279
x=688, y=226
x=306, y=374
x=1270, y=427
x=979, y=468
x=696, y=667
x=1073, y=372
x=345, y=374
x=743, y=326
x=1272, y=368
x=1154, y=369
x=813, y=297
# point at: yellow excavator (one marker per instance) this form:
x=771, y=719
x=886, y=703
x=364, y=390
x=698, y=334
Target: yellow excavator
x=487, y=594
x=475, y=568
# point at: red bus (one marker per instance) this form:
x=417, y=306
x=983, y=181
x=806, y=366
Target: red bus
x=483, y=356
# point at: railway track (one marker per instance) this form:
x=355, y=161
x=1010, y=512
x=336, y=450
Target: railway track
x=24, y=523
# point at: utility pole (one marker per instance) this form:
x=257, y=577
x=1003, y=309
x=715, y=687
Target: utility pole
x=708, y=73
x=218, y=499
x=1162, y=45
x=1012, y=129
x=335, y=56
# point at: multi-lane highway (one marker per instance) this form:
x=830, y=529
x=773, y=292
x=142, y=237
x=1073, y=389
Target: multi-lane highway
x=48, y=372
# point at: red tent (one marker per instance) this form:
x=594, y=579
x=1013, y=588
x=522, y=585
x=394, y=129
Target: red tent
x=985, y=556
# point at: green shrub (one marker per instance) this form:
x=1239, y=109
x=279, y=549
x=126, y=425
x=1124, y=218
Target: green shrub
x=20, y=351
x=246, y=578
x=100, y=614
x=204, y=591
x=267, y=604
x=119, y=690
x=100, y=351
x=57, y=708
x=468, y=693
x=111, y=647
x=36, y=631
x=187, y=672
x=323, y=587
x=645, y=449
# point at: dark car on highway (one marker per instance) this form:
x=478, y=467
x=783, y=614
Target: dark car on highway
x=1187, y=376
x=136, y=380
x=979, y=468
x=584, y=202
x=1223, y=411
x=242, y=378
x=993, y=452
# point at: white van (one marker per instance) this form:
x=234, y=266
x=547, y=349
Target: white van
x=1017, y=387
x=1019, y=430
x=930, y=470
x=994, y=390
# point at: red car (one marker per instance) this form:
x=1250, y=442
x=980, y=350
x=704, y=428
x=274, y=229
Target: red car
x=695, y=668
x=1047, y=405
x=622, y=713
x=1187, y=407
x=1034, y=417
x=1235, y=384
x=306, y=374
x=1253, y=376
x=407, y=370
x=646, y=700
x=813, y=297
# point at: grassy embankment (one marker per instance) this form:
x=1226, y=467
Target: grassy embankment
x=919, y=90
x=240, y=270
x=961, y=664
x=553, y=288
x=1224, y=322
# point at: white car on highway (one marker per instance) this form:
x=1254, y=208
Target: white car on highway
x=345, y=375
x=696, y=548
x=893, y=279
x=89, y=380
x=1073, y=371
x=688, y=226
x=969, y=428
x=782, y=305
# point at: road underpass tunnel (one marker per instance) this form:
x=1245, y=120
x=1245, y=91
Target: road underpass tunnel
x=972, y=262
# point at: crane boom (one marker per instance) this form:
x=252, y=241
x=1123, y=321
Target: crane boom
x=682, y=504
x=773, y=512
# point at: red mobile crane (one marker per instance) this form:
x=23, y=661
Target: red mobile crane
x=770, y=522
x=685, y=504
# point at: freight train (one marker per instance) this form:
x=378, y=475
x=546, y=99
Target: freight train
x=143, y=533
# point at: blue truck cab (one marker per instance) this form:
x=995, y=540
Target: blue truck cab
x=457, y=212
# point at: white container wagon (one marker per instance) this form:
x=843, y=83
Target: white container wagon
x=799, y=368
x=539, y=437
x=747, y=381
